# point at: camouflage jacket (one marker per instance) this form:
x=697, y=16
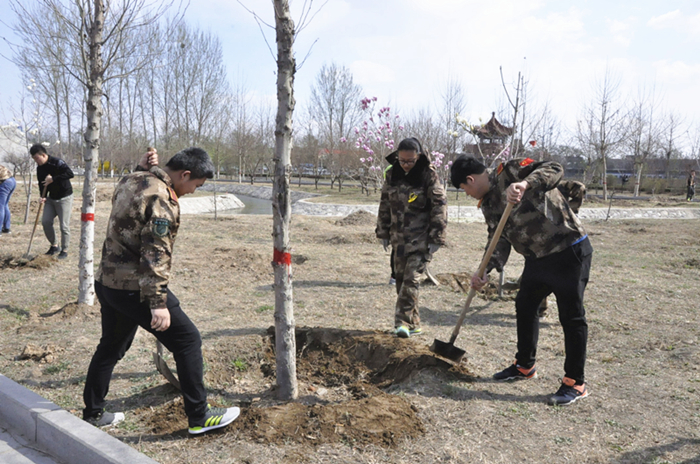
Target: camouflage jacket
x=574, y=192
x=541, y=224
x=4, y=173
x=413, y=207
x=137, y=251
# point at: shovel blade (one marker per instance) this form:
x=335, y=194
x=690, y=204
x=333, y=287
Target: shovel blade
x=447, y=350
x=165, y=371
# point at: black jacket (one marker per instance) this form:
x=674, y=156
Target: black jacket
x=61, y=174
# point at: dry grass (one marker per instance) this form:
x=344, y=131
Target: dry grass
x=643, y=357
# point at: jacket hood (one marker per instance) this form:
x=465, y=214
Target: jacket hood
x=414, y=176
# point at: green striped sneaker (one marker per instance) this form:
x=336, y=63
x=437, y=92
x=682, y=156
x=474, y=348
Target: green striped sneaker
x=215, y=418
x=416, y=331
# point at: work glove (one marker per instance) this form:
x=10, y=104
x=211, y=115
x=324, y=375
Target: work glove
x=433, y=247
x=385, y=244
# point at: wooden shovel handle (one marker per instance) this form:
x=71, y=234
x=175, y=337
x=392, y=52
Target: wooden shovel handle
x=36, y=221
x=482, y=268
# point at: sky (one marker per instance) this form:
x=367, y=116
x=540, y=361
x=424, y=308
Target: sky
x=405, y=51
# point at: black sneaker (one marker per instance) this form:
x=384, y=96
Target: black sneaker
x=106, y=419
x=215, y=418
x=6, y=231
x=52, y=251
x=568, y=393
x=63, y=254
x=515, y=372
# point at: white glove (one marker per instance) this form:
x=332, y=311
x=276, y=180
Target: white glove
x=385, y=244
x=433, y=247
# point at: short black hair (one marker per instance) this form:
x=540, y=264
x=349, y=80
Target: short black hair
x=195, y=160
x=410, y=144
x=37, y=148
x=463, y=167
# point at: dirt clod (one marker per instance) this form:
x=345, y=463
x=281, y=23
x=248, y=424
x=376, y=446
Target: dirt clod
x=44, y=354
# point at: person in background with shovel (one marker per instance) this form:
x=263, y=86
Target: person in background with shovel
x=543, y=228
x=413, y=219
x=132, y=285
x=54, y=177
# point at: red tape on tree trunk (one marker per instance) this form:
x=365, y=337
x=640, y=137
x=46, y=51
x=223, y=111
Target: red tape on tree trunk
x=85, y=217
x=280, y=257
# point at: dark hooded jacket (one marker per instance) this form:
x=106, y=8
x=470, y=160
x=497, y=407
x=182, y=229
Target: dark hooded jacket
x=61, y=174
x=413, y=207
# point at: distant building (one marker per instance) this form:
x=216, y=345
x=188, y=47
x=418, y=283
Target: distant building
x=492, y=138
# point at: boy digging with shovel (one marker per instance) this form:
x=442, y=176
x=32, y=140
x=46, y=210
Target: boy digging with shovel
x=557, y=254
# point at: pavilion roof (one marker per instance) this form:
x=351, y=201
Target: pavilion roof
x=493, y=129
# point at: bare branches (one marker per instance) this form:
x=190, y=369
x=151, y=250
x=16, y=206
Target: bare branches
x=305, y=19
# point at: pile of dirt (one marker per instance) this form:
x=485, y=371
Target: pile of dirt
x=357, y=363
x=38, y=262
x=382, y=420
x=341, y=373
x=358, y=218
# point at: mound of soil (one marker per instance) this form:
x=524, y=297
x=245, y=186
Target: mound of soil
x=358, y=218
x=38, y=262
x=354, y=364
x=341, y=374
x=382, y=420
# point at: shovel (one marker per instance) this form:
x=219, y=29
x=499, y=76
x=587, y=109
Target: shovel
x=36, y=221
x=449, y=350
x=162, y=366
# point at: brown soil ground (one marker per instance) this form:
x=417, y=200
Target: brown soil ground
x=366, y=396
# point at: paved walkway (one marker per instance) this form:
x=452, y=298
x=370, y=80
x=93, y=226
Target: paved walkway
x=301, y=205
x=18, y=451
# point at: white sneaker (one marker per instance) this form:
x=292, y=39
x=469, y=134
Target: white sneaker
x=106, y=419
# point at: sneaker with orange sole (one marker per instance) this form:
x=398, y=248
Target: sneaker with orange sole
x=568, y=393
x=515, y=372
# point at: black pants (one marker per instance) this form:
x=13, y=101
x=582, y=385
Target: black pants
x=565, y=274
x=122, y=314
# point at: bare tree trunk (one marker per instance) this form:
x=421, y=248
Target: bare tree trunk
x=638, y=181
x=91, y=155
x=285, y=343
x=29, y=198
x=605, y=177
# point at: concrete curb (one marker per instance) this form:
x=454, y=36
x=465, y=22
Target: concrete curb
x=59, y=433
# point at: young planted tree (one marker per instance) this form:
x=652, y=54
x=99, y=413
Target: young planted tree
x=285, y=343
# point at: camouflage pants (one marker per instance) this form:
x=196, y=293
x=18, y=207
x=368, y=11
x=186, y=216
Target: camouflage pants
x=407, y=269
